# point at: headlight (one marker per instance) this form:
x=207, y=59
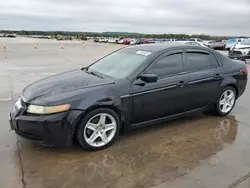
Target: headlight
x=35, y=109
x=245, y=51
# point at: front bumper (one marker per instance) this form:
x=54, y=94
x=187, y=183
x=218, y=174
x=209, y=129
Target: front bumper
x=239, y=57
x=50, y=130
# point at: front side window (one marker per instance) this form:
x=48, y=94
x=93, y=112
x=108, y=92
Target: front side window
x=120, y=64
x=200, y=61
x=167, y=66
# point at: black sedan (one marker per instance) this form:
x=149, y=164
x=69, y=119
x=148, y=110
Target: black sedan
x=130, y=88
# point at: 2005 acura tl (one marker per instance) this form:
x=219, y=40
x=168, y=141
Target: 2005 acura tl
x=129, y=88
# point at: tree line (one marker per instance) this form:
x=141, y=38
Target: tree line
x=82, y=35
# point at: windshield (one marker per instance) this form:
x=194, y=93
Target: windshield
x=120, y=64
x=231, y=41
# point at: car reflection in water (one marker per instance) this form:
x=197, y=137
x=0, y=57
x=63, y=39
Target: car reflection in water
x=141, y=158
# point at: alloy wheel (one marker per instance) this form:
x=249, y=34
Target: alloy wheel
x=100, y=130
x=227, y=101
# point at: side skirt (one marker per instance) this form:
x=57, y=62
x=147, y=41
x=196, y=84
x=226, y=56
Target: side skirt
x=167, y=118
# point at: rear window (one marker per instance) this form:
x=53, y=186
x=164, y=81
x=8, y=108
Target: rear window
x=200, y=61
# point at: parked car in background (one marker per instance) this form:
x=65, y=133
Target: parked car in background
x=133, y=41
x=231, y=42
x=106, y=40
x=224, y=42
x=191, y=43
x=112, y=40
x=216, y=45
x=13, y=35
x=208, y=43
x=102, y=39
x=148, y=41
x=96, y=39
x=168, y=41
x=241, y=51
x=126, y=41
x=139, y=41
x=132, y=87
x=121, y=41
x=196, y=39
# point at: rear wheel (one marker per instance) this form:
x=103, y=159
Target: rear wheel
x=226, y=101
x=98, y=129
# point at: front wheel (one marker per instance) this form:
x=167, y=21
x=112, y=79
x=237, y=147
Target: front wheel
x=98, y=129
x=226, y=101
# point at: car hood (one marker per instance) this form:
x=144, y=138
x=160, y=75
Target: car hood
x=241, y=46
x=62, y=83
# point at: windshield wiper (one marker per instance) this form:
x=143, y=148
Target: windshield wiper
x=91, y=72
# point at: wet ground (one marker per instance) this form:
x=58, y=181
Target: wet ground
x=195, y=151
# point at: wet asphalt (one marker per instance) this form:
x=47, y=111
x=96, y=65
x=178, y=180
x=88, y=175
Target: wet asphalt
x=197, y=151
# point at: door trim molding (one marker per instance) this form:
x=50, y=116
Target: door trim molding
x=145, y=123
x=154, y=90
x=149, y=91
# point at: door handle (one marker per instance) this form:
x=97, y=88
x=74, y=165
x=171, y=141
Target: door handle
x=217, y=76
x=181, y=83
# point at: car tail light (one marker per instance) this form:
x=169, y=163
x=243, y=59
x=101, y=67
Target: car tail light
x=245, y=70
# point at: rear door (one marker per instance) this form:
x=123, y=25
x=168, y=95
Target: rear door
x=204, y=77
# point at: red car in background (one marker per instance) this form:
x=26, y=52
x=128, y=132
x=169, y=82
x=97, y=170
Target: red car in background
x=148, y=41
x=126, y=41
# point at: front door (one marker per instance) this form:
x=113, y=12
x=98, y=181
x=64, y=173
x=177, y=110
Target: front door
x=165, y=97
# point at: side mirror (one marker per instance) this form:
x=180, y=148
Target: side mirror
x=149, y=78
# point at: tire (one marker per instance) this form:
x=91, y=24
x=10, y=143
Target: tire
x=218, y=109
x=91, y=126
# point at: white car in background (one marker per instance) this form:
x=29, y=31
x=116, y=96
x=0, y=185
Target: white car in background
x=121, y=41
x=191, y=43
x=196, y=39
x=232, y=42
x=240, y=51
x=102, y=39
x=133, y=41
x=215, y=44
x=112, y=40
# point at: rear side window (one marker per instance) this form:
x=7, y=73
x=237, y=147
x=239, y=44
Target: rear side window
x=167, y=66
x=200, y=61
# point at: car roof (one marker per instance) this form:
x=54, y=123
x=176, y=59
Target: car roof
x=162, y=47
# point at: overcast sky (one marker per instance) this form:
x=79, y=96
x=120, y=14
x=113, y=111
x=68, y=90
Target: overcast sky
x=215, y=17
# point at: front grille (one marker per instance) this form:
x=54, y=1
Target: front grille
x=237, y=53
